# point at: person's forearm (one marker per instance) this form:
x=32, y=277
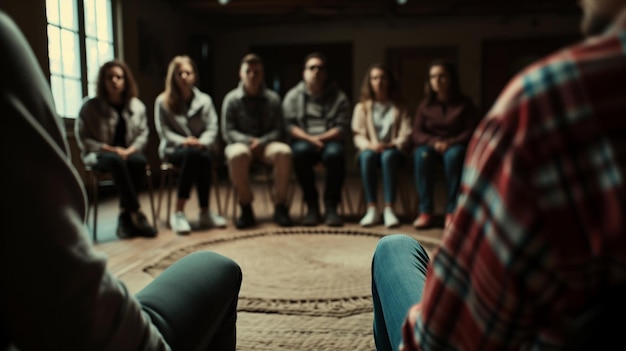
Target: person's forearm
x=108, y=148
x=331, y=134
x=270, y=136
x=298, y=133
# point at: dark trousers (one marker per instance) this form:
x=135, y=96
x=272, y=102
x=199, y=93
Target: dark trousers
x=194, y=302
x=333, y=156
x=194, y=167
x=128, y=175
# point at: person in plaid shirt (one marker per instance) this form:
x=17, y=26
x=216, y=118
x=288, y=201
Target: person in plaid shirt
x=539, y=229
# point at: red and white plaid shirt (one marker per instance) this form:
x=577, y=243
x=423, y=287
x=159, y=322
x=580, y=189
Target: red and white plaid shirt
x=541, y=220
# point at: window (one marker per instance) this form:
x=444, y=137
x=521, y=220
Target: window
x=80, y=40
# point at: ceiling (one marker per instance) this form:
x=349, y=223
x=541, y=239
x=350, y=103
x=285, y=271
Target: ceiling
x=261, y=12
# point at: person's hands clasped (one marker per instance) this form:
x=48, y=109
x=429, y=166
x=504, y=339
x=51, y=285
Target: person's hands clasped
x=254, y=144
x=120, y=151
x=319, y=144
x=379, y=147
x=441, y=146
x=124, y=152
x=192, y=142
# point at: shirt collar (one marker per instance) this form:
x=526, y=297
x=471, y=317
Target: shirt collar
x=241, y=93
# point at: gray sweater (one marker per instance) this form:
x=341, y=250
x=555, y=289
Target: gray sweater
x=335, y=104
x=56, y=291
x=96, y=123
x=245, y=117
x=199, y=120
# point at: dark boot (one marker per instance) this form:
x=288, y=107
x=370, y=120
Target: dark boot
x=246, y=218
x=332, y=218
x=124, y=225
x=312, y=217
x=141, y=226
x=281, y=216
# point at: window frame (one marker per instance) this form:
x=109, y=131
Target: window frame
x=82, y=49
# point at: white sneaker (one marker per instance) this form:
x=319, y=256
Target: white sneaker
x=210, y=219
x=179, y=223
x=390, y=218
x=371, y=217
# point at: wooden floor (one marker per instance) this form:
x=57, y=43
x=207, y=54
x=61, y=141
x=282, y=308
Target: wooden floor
x=127, y=258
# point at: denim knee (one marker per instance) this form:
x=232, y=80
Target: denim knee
x=302, y=150
x=391, y=244
x=424, y=154
x=367, y=158
x=334, y=153
x=391, y=157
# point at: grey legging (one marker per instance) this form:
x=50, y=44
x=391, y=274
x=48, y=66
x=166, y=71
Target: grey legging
x=194, y=302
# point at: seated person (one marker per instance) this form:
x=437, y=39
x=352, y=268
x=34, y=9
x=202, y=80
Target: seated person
x=442, y=126
x=252, y=125
x=381, y=129
x=317, y=116
x=56, y=291
x=112, y=131
x=539, y=234
x=186, y=122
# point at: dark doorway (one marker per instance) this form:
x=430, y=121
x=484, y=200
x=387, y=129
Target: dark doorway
x=284, y=64
x=409, y=65
x=200, y=49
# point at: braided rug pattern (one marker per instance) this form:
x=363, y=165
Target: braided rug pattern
x=303, y=288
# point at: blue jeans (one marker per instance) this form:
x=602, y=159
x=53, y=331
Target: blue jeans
x=194, y=166
x=333, y=156
x=398, y=275
x=425, y=160
x=193, y=302
x=388, y=161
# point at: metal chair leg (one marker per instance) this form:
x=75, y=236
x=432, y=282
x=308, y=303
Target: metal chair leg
x=170, y=185
x=161, y=189
x=150, y=194
x=94, y=187
x=216, y=190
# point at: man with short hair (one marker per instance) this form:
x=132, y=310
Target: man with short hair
x=252, y=126
x=317, y=114
x=539, y=233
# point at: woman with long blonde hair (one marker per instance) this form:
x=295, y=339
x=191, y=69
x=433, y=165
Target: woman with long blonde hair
x=186, y=122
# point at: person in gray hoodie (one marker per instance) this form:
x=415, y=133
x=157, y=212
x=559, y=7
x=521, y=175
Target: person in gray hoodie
x=317, y=116
x=56, y=291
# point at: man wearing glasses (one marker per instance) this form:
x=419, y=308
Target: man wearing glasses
x=317, y=116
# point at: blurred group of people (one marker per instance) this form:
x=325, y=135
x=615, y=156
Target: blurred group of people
x=309, y=126
x=535, y=238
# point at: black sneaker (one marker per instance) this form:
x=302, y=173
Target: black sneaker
x=332, y=218
x=281, y=216
x=142, y=227
x=246, y=218
x=124, y=226
x=312, y=217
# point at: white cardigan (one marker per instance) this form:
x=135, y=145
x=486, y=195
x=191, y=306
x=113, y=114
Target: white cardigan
x=364, y=132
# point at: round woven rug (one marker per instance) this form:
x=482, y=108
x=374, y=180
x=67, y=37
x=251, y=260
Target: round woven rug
x=321, y=275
